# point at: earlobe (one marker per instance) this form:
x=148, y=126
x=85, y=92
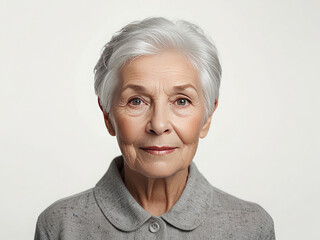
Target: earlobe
x=205, y=128
x=109, y=125
x=107, y=120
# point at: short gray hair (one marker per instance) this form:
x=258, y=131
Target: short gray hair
x=151, y=36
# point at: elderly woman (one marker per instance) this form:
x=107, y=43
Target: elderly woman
x=157, y=84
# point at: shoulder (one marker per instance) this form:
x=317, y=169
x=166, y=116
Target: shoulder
x=50, y=221
x=243, y=215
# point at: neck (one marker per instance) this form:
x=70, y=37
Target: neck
x=155, y=195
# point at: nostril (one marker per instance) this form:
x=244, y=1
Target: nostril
x=158, y=133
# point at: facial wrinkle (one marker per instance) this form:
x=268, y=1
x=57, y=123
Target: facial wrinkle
x=157, y=181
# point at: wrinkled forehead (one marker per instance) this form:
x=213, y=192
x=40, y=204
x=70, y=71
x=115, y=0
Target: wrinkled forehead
x=169, y=68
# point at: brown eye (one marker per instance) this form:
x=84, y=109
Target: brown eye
x=183, y=101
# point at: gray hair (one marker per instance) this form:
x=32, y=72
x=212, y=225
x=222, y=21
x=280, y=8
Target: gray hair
x=151, y=36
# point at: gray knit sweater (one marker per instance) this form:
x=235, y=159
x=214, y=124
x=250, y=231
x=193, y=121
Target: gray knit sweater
x=108, y=211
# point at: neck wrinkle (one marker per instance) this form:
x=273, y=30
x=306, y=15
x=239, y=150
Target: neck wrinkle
x=155, y=195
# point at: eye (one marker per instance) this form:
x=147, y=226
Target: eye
x=135, y=101
x=183, y=101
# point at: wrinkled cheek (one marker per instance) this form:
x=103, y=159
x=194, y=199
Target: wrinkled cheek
x=128, y=133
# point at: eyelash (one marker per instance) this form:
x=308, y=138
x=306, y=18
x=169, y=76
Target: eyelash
x=133, y=98
x=143, y=102
x=187, y=100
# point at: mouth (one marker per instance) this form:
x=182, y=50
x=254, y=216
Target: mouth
x=154, y=150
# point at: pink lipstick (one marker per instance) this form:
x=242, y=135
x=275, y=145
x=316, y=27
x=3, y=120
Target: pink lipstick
x=158, y=150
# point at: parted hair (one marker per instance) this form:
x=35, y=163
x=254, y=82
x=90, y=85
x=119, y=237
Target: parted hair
x=152, y=36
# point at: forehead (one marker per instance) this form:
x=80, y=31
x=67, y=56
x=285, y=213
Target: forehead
x=170, y=67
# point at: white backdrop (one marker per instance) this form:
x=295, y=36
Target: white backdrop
x=263, y=145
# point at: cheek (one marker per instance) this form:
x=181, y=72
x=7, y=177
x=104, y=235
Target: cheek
x=188, y=129
x=128, y=129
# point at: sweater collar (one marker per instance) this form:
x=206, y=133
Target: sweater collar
x=125, y=213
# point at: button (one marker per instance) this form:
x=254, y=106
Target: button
x=154, y=227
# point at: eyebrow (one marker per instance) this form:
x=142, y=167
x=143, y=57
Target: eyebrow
x=141, y=88
x=138, y=88
x=184, y=87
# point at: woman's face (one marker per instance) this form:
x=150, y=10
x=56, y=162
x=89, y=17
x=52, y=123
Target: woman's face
x=158, y=111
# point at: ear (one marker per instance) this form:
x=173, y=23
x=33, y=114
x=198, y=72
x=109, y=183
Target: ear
x=107, y=120
x=205, y=128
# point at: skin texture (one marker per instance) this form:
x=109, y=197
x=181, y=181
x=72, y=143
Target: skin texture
x=149, y=109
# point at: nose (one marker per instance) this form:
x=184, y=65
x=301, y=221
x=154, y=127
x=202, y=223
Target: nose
x=159, y=120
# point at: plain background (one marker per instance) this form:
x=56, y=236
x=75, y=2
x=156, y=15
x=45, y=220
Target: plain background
x=263, y=145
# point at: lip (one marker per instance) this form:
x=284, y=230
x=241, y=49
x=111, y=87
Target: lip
x=155, y=150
